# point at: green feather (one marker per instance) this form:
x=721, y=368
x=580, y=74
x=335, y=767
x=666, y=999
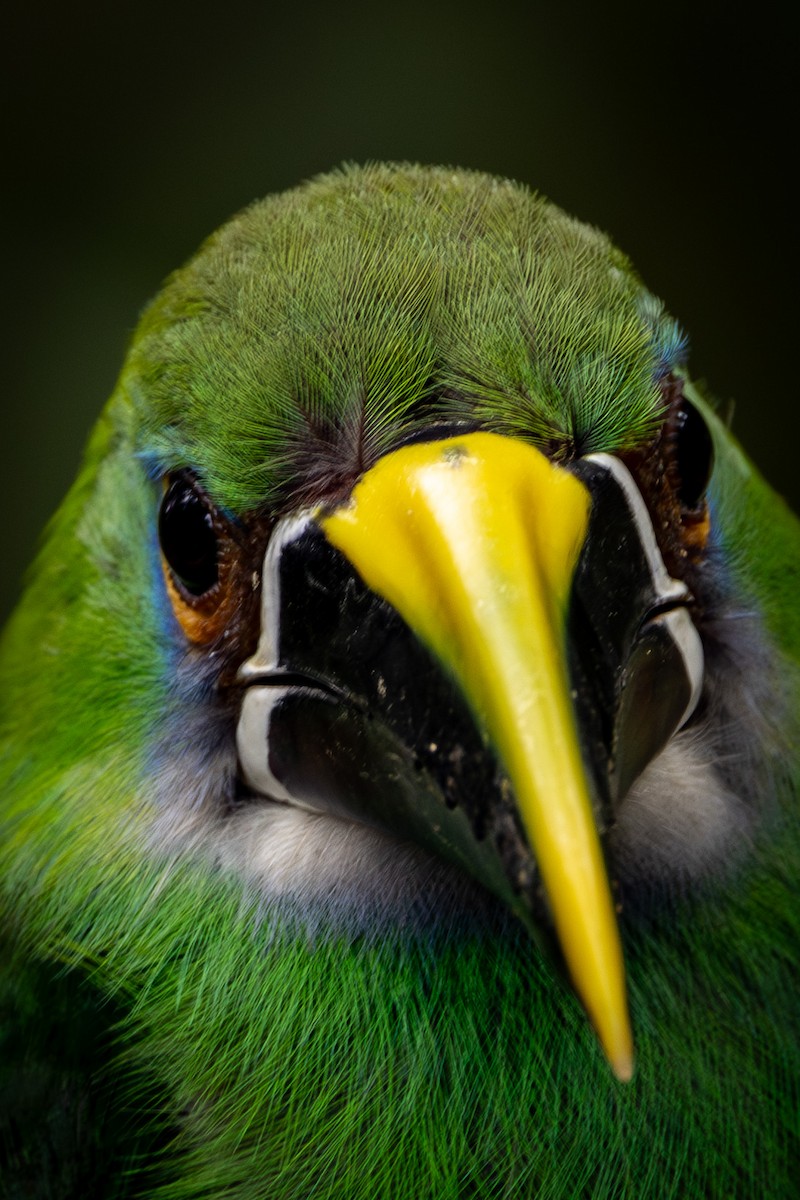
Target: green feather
x=260, y=1054
x=370, y=301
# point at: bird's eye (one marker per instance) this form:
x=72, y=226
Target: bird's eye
x=693, y=454
x=195, y=555
x=188, y=538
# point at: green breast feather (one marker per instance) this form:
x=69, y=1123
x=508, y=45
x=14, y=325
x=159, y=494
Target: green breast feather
x=398, y=736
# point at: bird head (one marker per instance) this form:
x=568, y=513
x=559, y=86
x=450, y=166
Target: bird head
x=398, y=543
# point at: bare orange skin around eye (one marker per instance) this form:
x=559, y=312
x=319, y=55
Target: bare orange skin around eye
x=695, y=530
x=202, y=618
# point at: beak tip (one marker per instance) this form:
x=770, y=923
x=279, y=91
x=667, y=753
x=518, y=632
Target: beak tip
x=622, y=1066
x=615, y=1035
x=620, y=1056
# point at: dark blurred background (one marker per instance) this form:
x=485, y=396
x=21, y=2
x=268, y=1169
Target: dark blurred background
x=133, y=129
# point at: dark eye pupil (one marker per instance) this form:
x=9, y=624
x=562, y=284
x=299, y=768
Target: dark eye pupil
x=694, y=455
x=188, y=540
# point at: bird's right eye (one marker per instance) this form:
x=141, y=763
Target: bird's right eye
x=188, y=538
x=196, y=558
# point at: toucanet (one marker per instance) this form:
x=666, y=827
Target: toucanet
x=399, y=736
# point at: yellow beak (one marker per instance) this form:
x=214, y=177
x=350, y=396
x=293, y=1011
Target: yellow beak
x=474, y=541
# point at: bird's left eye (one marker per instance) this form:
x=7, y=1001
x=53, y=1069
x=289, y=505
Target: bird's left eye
x=195, y=557
x=693, y=454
